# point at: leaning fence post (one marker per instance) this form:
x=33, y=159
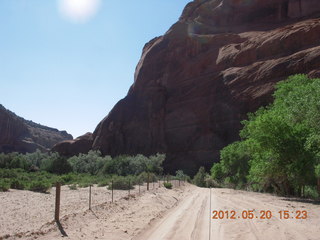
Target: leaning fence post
x=139, y=187
x=129, y=190
x=90, y=197
x=57, y=206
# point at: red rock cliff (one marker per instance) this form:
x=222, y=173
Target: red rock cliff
x=196, y=83
x=20, y=135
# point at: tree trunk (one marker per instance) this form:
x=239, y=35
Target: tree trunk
x=319, y=186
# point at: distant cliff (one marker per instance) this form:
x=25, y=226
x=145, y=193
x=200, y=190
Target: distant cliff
x=195, y=84
x=20, y=135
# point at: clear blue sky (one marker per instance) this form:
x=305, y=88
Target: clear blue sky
x=66, y=66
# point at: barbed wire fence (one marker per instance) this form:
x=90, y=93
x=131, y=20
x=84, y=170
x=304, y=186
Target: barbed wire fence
x=110, y=194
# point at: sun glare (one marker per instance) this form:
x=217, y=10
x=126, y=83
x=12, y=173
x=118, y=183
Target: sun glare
x=79, y=11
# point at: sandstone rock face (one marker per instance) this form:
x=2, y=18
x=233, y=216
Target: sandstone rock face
x=20, y=135
x=81, y=144
x=196, y=83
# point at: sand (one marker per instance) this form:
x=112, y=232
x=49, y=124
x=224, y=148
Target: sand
x=180, y=213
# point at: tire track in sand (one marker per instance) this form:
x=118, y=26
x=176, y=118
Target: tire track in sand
x=186, y=221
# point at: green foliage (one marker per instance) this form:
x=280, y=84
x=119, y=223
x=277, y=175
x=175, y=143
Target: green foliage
x=84, y=184
x=25, y=161
x=199, y=178
x=233, y=167
x=40, y=186
x=68, y=178
x=56, y=164
x=280, y=147
x=91, y=163
x=167, y=185
x=4, y=185
x=311, y=192
x=180, y=175
x=133, y=165
x=18, y=184
x=73, y=187
x=122, y=183
x=38, y=171
x=217, y=172
x=146, y=177
x=103, y=182
x=317, y=171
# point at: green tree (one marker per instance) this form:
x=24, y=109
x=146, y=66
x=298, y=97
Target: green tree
x=54, y=163
x=199, y=178
x=282, y=141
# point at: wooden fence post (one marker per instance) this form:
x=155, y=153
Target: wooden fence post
x=111, y=190
x=57, y=206
x=139, y=187
x=129, y=190
x=90, y=197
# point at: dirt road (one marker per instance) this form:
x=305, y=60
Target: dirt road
x=181, y=213
x=190, y=218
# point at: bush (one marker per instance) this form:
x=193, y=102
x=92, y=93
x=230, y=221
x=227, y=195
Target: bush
x=68, y=178
x=103, y=183
x=311, y=192
x=121, y=183
x=84, y=185
x=56, y=164
x=4, y=185
x=199, y=178
x=9, y=173
x=125, y=165
x=145, y=177
x=18, y=184
x=40, y=186
x=91, y=163
x=73, y=187
x=167, y=185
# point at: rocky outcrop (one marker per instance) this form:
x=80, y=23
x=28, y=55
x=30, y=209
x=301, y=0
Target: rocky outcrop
x=81, y=144
x=20, y=135
x=196, y=83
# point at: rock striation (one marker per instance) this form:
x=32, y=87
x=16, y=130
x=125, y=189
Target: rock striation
x=20, y=135
x=194, y=85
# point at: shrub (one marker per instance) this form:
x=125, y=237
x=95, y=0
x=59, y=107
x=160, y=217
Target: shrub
x=167, y=185
x=68, y=178
x=40, y=186
x=91, y=163
x=84, y=185
x=121, y=183
x=145, y=177
x=18, y=184
x=125, y=165
x=103, y=183
x=56, y=164
x=4, y=185
x=211, y=182
x=73, y=187
x=311, y=192
x=199, y=178
x=8, y=173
